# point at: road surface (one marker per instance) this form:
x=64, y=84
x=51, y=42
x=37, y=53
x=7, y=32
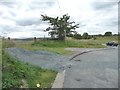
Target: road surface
x=97, y=69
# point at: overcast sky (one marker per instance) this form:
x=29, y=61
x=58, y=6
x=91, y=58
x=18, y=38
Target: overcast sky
x=21, y=18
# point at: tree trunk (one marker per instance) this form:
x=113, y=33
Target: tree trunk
x=61, y=37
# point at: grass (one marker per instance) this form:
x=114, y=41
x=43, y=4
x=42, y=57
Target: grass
x=69, y=43
x=59, y=46
x=7, y=43
x=107, y=39
x=14, y=71
x=29, y=45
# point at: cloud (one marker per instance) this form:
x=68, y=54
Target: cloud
x=21, y=18
x=28, y=21
x=103, y=5
x=35, y=4
x=26, y=34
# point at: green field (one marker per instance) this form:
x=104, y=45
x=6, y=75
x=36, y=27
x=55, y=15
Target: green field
x=59, y=46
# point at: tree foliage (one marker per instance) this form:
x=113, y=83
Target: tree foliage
x=59, y=26
x=85, y=35
x=77, y=36
x=108, y=34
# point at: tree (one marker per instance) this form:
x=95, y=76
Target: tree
x=52, y=33
x=99, y=35
x=85, y=35
x=108, y=34
x=60, y=26
x=77, y=36
x=115, y=34
x=72, y=34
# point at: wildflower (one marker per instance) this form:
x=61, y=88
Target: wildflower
x=38, y=85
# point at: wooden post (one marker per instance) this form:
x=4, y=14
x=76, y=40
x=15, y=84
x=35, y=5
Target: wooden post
x=8, y=38
x=34, y=39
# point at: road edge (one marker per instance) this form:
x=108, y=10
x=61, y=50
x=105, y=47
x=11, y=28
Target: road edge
x=87, y=51
x=59, y=80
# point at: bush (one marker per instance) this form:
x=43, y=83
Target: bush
x=108, y=34
x=77, y=36
x=85, y=35
x=89, y=37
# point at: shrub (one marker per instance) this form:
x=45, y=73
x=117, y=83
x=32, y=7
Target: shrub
x=108, y=34
x=77, y=36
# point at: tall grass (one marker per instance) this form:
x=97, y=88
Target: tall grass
x=7, y=43
x=69, y=43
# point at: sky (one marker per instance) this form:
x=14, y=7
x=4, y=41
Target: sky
x=22, y=18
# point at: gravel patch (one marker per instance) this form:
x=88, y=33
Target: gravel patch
x=44, y=59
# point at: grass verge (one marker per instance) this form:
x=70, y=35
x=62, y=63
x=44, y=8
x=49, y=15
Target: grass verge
x=14, y=72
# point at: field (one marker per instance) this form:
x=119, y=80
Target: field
x=59, y=46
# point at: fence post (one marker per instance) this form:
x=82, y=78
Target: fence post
x=8, y=38
x=34, y=39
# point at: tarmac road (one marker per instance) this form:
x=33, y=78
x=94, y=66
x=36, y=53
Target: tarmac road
x=97, y=69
